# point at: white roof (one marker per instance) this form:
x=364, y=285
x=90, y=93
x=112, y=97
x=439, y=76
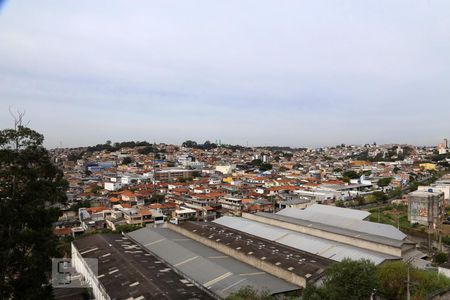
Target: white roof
x=337, y=221
x=339, y=211
x=184, y=210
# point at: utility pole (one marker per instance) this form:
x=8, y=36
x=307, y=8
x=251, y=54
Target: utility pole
x=408, y=292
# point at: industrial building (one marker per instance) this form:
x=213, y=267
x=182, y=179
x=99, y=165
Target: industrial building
x=280, y=253
x=215, y=271
x=329, y=232
x=172, y=174
x=426, y=207
x=126, y=271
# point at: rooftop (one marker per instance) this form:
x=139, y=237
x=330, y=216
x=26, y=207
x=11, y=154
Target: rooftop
x=325, y=224
x=425, y=193
x=126, y=270
x=212, y=269
x=316, y=245
x=339, y=211
x=304, y=264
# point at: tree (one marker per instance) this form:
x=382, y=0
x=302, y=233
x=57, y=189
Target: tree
x=441, y=258
x=256, y=162
x=311, y=292
x=29, y=185
x=74, y=156
x=189, y=144
x=380, y=196
x=346, y=280
x=146, y=150
x=392, y=276
x=265, y=167
x=384, y=181
x=351, y=174
x=395, y=193
x=155, y=198
x=127, y=160
x=339, y=203
x=249, y=293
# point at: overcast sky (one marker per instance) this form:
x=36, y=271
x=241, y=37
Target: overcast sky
x=298, y=73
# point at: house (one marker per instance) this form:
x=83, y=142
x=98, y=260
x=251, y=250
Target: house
x=183, y=214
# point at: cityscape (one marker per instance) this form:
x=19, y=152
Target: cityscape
x=239, y=151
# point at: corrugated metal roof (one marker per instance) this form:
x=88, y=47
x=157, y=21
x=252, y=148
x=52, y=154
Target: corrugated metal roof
x=219, y=273
x=339, y=211
x=353, y=224
x=354, y=233
x=315, y=245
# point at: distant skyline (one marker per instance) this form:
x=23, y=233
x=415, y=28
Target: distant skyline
x=288, y=73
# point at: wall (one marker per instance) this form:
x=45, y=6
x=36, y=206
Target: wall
x=251, y=260
x=80, y=265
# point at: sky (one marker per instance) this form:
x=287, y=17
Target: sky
x=290, y=73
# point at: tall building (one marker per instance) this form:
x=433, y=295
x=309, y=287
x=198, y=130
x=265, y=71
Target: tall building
x=426, y=207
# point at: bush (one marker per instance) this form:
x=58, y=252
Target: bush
x=440, y=258
x=446, y=240
x=339, y=203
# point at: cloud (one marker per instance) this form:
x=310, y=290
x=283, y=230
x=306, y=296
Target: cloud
x=269, y=72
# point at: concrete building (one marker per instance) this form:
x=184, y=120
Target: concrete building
x=126, y=271
x=330, y=232
x=226, y=169
x=172, y=174
x=220, y=261
x=112, y=186
x=231, y=203
x=436, y=187
x=426, y=208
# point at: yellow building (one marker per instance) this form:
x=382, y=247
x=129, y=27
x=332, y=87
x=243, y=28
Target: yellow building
x=228, y=180
x=428, y=166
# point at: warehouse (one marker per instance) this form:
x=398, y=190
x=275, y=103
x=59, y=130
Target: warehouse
x=316, y=245
x=126, y=271
x=213, y=270
x=348, y=230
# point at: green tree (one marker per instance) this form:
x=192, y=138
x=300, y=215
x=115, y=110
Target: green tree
x=392, y=281
x=395, y=193
x=311, y=292
x=256, y=162
x=350, y=174
x=265, y=167
x=440, y=258
x=350, y=279
x=146, y=150
x=189, y=144
x=127, y=160
x=29, y=185
x=249, y=293
x=384, y=181
x=339, y=203
x=380, y=196
x=156, y=198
